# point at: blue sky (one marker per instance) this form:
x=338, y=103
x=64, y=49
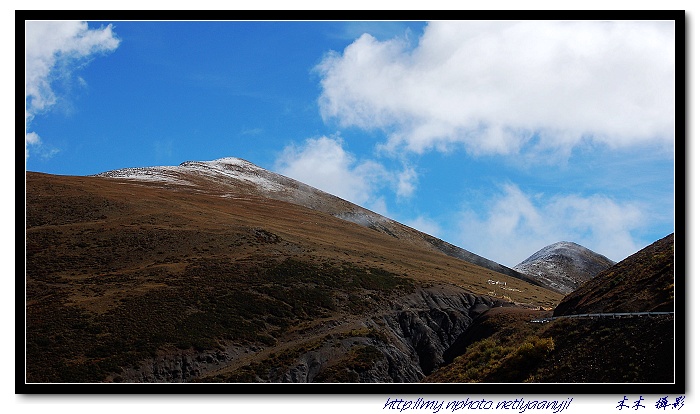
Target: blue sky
x=499, y=137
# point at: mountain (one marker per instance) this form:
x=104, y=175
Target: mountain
x=563, y=266
x=229, y=176
x=504, y=345
x=225, y=272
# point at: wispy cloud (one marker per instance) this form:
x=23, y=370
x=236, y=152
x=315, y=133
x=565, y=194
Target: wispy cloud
x=425, y=224
x=251, y=131
x=406, y=182
x=54, y=50
x=33, y=138
x=33, y=141
x=504, y=87
x=351, y=30
x=516, y=224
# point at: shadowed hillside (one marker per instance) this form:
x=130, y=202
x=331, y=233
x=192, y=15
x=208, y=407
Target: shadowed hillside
x=641, y=282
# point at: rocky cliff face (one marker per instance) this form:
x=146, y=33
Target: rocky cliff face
x=403, y=342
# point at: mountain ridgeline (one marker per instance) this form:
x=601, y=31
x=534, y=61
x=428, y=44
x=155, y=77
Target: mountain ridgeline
x=222, y=271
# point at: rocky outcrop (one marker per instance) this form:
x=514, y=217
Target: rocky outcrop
x=177, y=365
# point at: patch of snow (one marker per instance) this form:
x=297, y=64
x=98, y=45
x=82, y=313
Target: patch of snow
x=161, y=174
x=232, y=161
x=221, y=170
x=237, y=169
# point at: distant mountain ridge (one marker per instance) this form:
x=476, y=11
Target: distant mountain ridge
x=563, y=266
x=230, y=175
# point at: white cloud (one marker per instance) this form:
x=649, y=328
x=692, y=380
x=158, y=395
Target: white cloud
x=33, y=139
x=53, y=50
x=517, y=225
x=502, y=87
x=324, y=164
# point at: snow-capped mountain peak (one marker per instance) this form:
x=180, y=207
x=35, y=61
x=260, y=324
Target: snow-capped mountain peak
x=563, y=266
x=222, y=173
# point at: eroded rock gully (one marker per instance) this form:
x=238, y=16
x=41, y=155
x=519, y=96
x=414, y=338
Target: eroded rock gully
x=402, y=342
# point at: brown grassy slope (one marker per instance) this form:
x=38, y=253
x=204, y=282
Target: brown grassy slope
x=232, y=176
x=125, y=223
x=495, y=336
x=119, y=270
x=641, y=282
x=628, y=350
x=507, y=348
